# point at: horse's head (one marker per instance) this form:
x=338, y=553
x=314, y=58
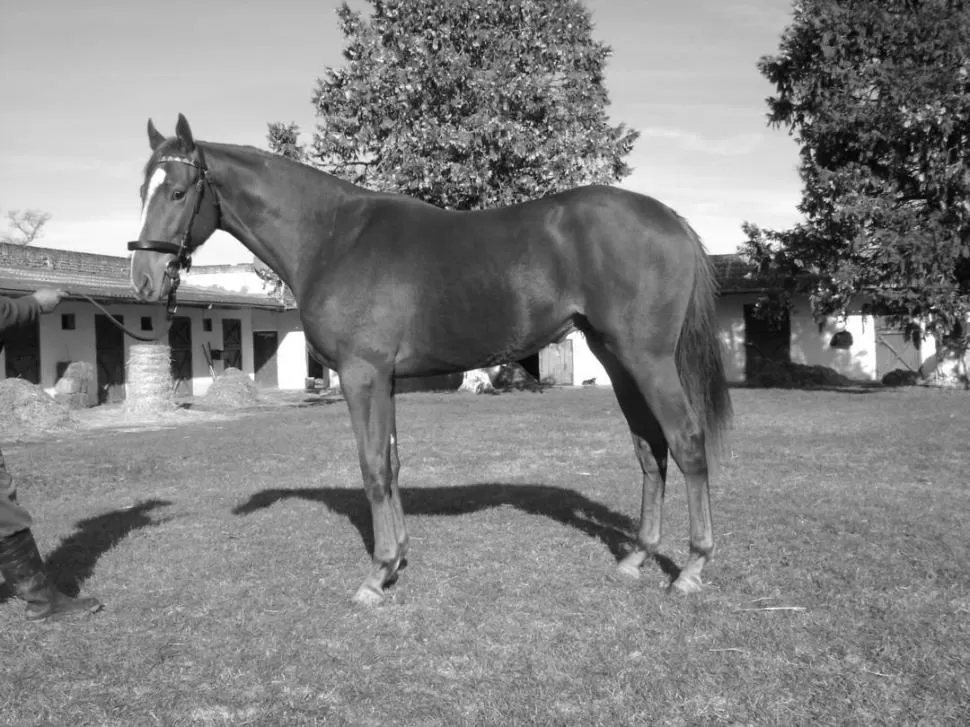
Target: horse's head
x=179, y=212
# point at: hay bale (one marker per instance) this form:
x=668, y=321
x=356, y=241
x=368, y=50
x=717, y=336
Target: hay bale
x=477, y=382
x=78, y=386
x=26, y=409
x=150, y=389
x=232, y=389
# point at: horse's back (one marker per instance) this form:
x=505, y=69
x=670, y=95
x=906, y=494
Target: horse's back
x=486, y=286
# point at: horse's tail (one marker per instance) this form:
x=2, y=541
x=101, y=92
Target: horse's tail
x=699, y=361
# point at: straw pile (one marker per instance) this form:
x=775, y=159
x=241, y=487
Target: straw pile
x=789, y=375
x=476, y=382
x=150, y=389
x=232, y=389
x=26, y=409
x=901, y=377
x=78, y=386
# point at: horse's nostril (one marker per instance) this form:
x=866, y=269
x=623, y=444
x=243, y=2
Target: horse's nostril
x=144, y=288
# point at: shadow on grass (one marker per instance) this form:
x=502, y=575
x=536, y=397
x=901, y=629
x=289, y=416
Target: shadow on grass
x=72, y=562
x=568, y=507
x=855, y=389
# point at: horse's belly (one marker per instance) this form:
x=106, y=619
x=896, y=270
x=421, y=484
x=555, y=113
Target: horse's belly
x=450, y=339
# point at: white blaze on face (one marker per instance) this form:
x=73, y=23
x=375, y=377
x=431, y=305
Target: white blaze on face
x=158, y=177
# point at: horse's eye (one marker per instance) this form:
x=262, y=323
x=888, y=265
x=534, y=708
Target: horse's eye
x=178, y=194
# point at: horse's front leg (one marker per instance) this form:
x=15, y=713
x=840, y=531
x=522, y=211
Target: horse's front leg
x=368, y=390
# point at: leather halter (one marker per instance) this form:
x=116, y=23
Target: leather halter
x=181, y=250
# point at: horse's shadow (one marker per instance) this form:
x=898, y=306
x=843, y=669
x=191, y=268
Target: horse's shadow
x=613, y=529
x=72, y=562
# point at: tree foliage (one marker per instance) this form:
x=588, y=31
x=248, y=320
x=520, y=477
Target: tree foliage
x=467, y=103
x=877, y=94
x=25, y=227
x=284, y=139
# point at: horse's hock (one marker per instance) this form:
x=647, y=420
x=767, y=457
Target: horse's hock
x=150, y=385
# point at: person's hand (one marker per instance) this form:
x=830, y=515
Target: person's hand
x=48, y=298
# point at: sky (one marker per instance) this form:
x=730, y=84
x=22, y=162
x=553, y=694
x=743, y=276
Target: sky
x=79, y=81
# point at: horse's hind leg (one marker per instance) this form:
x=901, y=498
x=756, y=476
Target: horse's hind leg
x=394, y=462
x=369, y=395
x=651, y=450
x=657, y=378
x=650, y=447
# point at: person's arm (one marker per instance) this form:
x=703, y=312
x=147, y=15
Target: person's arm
x=18, y=311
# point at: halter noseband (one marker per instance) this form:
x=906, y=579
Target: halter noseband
x=181, y=250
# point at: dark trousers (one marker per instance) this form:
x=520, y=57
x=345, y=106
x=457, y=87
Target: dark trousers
x=13, y=518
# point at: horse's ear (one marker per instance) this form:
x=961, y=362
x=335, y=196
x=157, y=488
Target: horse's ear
x=184, y=134
x=155, y=138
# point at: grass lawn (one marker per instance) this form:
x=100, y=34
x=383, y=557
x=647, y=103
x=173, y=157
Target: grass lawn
x=227, y=552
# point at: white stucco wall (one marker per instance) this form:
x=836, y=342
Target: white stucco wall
x=201, y=376
x=808, y=344
x=239, y=279
x=585, y=365
x=57, y=345
x=291, y=355
x=813, y=347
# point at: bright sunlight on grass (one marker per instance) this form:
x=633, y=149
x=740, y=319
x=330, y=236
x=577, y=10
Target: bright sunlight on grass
x=227, y=552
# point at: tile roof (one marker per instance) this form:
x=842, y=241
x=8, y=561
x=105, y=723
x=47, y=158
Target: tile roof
x=103, y=277
x=734, y=275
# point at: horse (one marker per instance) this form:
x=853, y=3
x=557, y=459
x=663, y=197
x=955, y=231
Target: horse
x=389, y=286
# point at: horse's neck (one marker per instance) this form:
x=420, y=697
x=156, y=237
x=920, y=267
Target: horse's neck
x=262, y=205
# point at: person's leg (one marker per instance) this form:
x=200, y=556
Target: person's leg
x=21, y=565
x=13, y=518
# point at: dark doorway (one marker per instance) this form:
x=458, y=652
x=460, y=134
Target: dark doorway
x=765, y=340
x=232, y=343
x=265, y=344
x=22, y=347
x=180, y=341
x=109, y=344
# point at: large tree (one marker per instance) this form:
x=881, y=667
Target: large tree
x=877, y=94
x=466, y=104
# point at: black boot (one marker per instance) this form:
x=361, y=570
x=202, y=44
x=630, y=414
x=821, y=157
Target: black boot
x=23, y=569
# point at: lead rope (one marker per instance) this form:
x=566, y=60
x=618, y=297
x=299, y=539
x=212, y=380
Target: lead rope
x=120, y=325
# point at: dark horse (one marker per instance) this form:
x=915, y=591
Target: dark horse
x=389, y=286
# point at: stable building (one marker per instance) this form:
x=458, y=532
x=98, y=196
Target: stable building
x=861, y=347
x=226, y=318
x=214, y=327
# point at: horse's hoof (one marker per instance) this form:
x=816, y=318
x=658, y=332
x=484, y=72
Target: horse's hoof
x=368, y=596
x=686, y=585
x=628, y=571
